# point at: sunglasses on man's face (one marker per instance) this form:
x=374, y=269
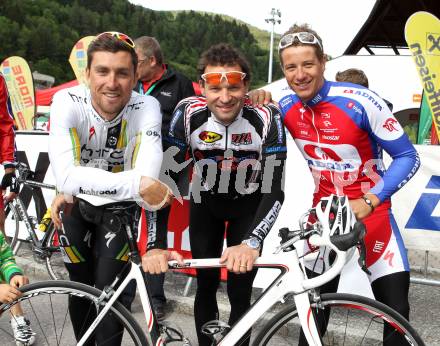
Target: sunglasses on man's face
x=303, y=37
x=215, y=78
x=118, y=35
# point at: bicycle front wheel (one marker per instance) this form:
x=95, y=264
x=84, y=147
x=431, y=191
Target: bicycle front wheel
x=12, y=225
x=352, y=320
x=54, y=256
x=45, y=305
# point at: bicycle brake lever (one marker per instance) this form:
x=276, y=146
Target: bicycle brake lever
x=362, y=261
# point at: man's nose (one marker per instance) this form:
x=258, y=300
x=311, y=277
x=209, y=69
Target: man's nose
x=225, y=95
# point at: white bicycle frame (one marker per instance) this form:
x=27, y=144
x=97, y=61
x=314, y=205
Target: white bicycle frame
x=291, y=280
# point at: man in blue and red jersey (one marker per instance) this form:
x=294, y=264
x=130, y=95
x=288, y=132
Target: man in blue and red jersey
x=7, y=150
x=341, y=129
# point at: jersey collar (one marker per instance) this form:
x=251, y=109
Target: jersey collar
x=321, y=95
x=239, y=116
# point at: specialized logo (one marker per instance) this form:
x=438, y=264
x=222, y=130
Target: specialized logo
x=109, y=236
x=210, y=137
x=97, y=192
x=433, y=42
x=91, y=132
x=241, y=138
x=166, y=93
x=391, y=124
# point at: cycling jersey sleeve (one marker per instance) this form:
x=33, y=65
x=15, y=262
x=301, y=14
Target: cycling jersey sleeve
x=274, y=154
x=386, y=131
x=7, y=135
x=145, y=154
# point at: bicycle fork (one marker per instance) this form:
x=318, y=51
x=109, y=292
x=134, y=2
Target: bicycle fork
x=307, y=319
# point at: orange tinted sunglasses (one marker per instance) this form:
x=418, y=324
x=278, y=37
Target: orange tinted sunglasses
x=215, y=78
x=120, y=36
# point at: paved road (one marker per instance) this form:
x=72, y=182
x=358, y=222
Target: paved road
x=425, y=305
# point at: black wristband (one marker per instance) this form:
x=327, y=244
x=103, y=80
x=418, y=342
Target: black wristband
x=368, y=201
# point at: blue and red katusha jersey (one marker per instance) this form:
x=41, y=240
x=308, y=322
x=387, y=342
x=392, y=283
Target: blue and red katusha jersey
x=341, y=133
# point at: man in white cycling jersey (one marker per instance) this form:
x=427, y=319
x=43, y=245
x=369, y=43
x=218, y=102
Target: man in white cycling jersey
x=105, y=140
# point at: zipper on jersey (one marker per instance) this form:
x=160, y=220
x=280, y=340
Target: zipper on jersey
x=313, y=121
x=226, y=136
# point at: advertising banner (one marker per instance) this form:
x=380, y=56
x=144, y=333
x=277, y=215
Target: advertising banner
x=422, y=33
x=78, y=58
x=20, y=84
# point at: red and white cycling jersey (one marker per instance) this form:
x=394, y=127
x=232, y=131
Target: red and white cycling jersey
x=7, y=135
x=341, y=133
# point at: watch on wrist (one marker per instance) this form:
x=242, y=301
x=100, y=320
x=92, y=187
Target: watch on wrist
x=368, y=201
x=253, y=243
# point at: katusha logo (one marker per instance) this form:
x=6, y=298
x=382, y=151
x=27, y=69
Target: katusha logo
x=210, y=137
x=391, y=124
x=330, y=157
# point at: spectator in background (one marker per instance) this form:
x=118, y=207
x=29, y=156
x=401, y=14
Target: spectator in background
x=352, y=75
x=356, y=76
x=169, y=87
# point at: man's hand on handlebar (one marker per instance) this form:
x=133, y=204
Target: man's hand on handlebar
x=9, y=180
x=239, y=258
x=155, y=261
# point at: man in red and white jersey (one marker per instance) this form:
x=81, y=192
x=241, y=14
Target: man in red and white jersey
x=7, y=150
x=341, y=130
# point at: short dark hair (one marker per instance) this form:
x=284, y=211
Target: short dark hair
x=220, y=55
x=109, y=43
x=305, y=28
x=149, y=46
x=353, y=75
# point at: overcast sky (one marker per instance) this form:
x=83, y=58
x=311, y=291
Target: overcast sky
x=337, y=21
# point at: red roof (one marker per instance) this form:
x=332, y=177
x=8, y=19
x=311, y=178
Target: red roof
x=43, y=97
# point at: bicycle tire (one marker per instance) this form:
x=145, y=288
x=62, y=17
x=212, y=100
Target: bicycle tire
x=54, y=256
x=45, y=306
x=11, y=211
x=347, y=312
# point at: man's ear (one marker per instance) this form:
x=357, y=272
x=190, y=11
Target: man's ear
x=87, y=75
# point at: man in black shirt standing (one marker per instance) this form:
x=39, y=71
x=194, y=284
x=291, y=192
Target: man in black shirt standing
x=169, y=87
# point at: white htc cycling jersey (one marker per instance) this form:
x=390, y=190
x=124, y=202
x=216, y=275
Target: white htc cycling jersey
x=98, y=157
